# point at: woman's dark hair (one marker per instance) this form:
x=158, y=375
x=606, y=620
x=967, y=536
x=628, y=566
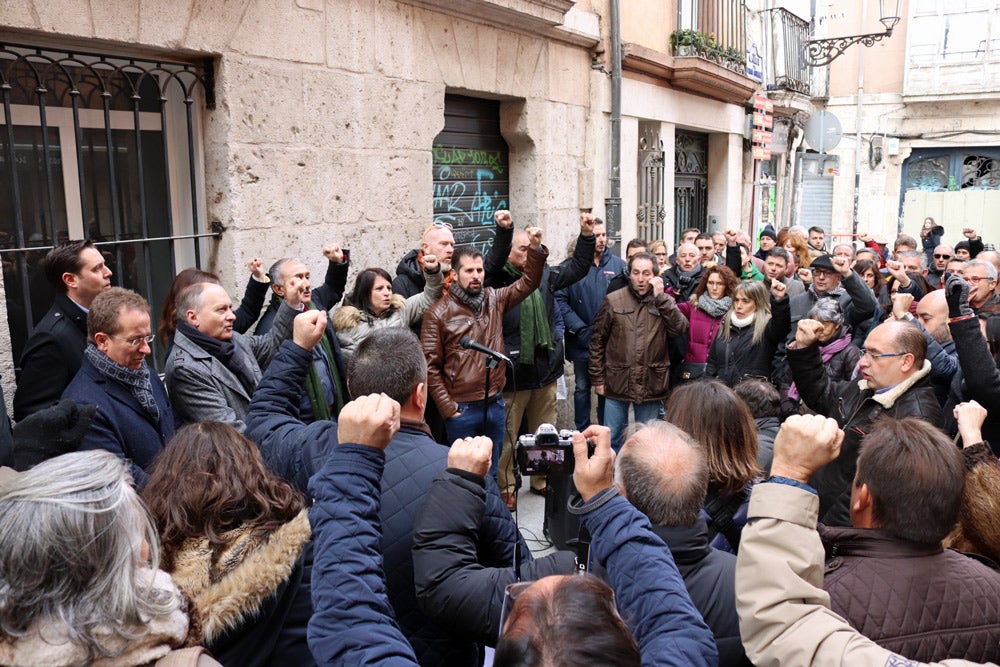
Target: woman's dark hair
x=716, y=417
x=361, y=296
x=183, y=280
x=210, y=479
x=724, y=272
x=921, y=281
x=881, y=289
x=575, y=623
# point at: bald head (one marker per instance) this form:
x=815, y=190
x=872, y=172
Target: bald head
x=932, y=312
x=663, y=472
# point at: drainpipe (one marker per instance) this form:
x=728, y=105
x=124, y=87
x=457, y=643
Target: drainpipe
x=790, y=173
x=613, y=203
x=857, y=125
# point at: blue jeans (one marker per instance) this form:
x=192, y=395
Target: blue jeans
x=616, y=415
x=469, y=422
x=581, y=397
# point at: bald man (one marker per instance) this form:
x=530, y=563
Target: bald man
x=663, y=472
x=932, y=318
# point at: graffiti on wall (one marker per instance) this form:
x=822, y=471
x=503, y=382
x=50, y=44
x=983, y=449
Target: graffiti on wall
x=470, y=184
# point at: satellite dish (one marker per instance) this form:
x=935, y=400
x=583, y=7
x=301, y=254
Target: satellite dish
x=823, y=131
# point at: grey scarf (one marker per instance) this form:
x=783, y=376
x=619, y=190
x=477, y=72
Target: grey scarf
x=475, y=303
x=137, y=381
x=714, y=307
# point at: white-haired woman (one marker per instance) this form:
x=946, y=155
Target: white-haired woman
x=79, y=583
x=750, y=334
x=840, y=357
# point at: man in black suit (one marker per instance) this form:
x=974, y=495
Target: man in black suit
x=54, y=352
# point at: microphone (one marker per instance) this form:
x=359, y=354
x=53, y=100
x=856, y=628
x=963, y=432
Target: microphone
x=470, y=344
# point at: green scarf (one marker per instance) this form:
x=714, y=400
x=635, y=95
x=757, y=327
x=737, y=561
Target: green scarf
x=535, y=331
x=314, y=388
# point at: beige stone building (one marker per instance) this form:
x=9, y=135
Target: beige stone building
x=197, y=133
x=921, y=118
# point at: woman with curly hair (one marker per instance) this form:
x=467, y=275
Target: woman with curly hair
x=372, y=305
x=710, y=302
x=797, y=246
x=236, y=539
x=712, y=413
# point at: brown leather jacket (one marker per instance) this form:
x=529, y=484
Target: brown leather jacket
x=628, y=347
x=454, y=374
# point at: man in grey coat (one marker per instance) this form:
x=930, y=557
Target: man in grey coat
x=212, y=371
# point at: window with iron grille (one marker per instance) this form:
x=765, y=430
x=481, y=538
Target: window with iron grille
x=105, y=147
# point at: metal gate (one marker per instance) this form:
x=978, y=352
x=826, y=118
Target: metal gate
x=103, y=147
x=650, y=214
x=690, y=182
x=471, y=170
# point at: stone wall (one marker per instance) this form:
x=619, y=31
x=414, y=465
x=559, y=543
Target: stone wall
x=326, y=113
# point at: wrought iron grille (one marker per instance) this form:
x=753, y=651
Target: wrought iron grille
x=721, y=22
x=102, y=147
x=980, y=172
x=788, y=36
x=651, y=213
x=690, y=181
x=931, y=173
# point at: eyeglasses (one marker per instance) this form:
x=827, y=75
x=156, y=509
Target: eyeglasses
x=137, y=341
x=437, y=224
x=975, y=279
x=937, y=256
x=879, y=355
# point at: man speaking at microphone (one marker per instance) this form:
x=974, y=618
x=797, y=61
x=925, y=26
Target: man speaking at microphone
x=456, y=373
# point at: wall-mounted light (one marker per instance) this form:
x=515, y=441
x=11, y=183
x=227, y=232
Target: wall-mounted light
x=819, y=52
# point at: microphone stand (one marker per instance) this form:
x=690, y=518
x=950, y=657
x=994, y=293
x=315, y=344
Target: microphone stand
x=491, y=363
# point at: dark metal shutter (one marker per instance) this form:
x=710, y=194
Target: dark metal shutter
x=471, y=170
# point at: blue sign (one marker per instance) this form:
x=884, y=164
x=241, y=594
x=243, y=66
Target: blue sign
x=755, y=64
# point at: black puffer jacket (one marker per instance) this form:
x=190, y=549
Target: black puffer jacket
x=457, y=586
x=978, y=379
x=548, y=365
x=731, y=360
x=710, y=578
x=855, y=407
x=409, y=278
x=916, y=600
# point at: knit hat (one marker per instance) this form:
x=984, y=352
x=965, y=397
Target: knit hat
x=772, y=235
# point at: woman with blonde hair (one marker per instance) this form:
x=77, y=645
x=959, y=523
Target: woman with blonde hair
x=750, y=333
x=658, y=249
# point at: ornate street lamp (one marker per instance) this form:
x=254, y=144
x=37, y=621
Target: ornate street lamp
x=821, y=52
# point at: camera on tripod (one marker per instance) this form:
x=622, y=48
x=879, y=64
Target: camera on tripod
x=547, y=451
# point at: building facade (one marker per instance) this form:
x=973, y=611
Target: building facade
x=921, y=118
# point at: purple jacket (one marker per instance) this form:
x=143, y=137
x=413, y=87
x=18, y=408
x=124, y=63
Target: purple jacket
x=701, y=332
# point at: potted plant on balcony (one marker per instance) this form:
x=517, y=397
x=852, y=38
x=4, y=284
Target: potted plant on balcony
x=688, y=42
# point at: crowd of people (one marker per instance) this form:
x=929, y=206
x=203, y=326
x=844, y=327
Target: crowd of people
x=810, y=476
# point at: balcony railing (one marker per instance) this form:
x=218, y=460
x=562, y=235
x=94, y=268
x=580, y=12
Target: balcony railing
x=787, y=35
x=712, y=29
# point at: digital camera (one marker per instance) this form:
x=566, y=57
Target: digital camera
x=547, y=452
